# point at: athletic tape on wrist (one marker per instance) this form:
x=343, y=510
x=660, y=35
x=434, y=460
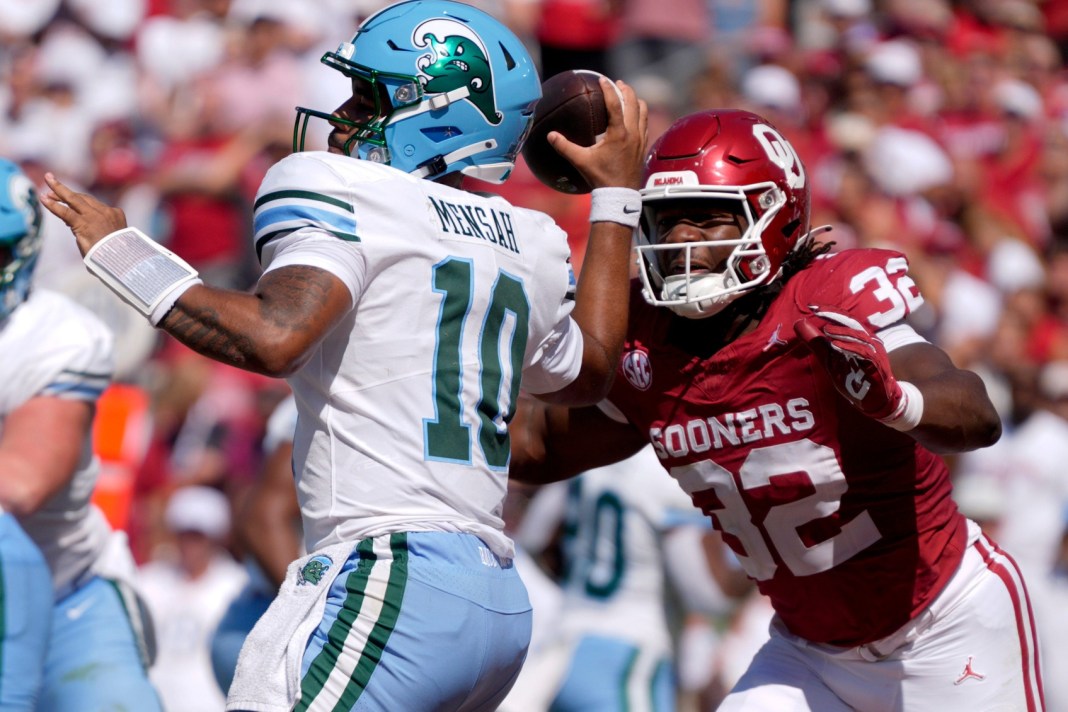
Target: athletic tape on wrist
x=143, y=273
x=909, y=411
x=618, y=205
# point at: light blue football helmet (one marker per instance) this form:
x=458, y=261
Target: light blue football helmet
x=20, y=236
x=454, y=91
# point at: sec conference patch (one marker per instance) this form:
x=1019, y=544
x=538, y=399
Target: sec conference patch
x=637, y=369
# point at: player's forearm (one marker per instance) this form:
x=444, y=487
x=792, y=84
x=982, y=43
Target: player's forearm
x=552, y=443
x=23, y=489
x=601, y=301
x=272, y=331
x=957, y=414
x=231, y=327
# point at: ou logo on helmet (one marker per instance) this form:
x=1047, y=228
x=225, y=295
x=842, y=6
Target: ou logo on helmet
x=782, y=154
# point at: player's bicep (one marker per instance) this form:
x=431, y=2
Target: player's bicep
x=303, y=302
x=920, y=362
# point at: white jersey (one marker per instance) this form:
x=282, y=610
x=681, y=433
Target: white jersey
x=52, y=346
x=280, y=425
x=616, y=581
x=402, y=408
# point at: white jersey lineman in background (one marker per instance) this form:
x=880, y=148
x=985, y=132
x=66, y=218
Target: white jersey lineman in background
x=57, y=362
x=634, y=566
x=56, y=349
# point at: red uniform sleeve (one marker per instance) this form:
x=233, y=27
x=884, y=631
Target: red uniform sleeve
x=872, y=286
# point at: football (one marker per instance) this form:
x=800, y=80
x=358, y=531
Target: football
x=573, y=104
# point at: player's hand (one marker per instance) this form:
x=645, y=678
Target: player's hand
x=856, y=361
x=617, y=159
x=88, y=218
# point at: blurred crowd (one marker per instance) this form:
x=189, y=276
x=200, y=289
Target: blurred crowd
x=936, y=127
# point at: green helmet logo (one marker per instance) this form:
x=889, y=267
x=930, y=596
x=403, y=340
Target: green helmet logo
x=313, y=571
x=457, y=58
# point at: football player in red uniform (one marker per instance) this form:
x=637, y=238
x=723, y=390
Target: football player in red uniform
x=783, y=387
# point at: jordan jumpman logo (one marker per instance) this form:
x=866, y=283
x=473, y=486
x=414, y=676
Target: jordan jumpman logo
x=969, y=673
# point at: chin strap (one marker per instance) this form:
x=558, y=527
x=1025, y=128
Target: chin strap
x=431, y=103
x=438, y=164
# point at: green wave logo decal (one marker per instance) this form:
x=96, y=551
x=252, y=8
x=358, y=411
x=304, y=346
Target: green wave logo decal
x=457, y=57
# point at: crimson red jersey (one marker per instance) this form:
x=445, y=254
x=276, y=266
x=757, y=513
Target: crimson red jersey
x=847, y=525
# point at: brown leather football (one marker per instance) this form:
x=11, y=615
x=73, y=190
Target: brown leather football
x=573, y=104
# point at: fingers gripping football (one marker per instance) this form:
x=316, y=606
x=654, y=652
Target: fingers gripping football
x=856, y=361
x=615, y=158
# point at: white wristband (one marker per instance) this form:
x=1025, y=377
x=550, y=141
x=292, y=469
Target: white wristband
x=909, y=412
x=618, y=205
x=142, y=272
x=167, y=303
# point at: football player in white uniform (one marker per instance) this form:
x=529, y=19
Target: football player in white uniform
x=405, y=312
x=57, y=362
x=633, y=555
x=25, y=584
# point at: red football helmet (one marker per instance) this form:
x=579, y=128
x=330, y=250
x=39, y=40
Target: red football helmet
x=723, y=155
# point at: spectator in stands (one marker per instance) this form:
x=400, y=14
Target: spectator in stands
x=187, y=590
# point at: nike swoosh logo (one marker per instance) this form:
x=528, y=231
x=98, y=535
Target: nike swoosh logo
x=628, y=211
x=78, y=611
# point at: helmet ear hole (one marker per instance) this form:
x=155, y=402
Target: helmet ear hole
x=509, y=60
x=437, y=134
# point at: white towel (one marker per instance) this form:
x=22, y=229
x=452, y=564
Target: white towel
x=268, y=669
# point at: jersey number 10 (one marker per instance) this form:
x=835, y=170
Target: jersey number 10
x=446, y=436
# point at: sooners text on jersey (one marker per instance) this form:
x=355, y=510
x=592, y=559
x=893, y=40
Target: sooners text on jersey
x=848, y=526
